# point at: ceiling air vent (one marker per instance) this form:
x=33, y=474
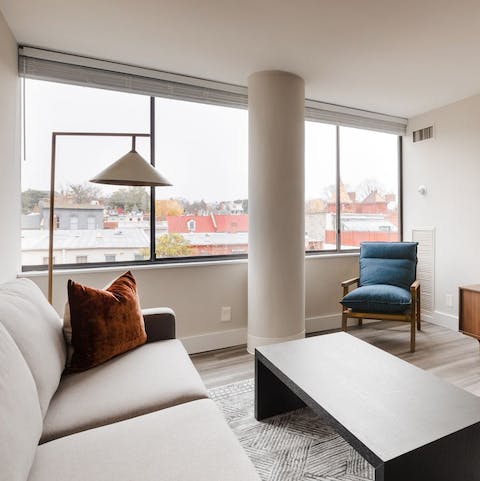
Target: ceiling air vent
x=423, y=134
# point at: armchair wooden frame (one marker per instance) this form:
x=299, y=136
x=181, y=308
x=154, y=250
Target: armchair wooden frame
x=412, y=315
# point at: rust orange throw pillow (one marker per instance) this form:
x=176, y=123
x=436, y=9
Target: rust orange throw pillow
x=105, y=323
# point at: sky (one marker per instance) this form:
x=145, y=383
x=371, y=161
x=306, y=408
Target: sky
x=201, y=149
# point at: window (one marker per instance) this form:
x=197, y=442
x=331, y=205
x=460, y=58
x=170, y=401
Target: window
x=354, y=174
x=351, y=182
x=368, y=187
x=320, y=186
x=191, y=225
x=87, y=216
x=203, y=150
x=73, y=222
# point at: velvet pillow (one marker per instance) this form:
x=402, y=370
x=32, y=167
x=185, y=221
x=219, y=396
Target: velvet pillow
x=105, y=323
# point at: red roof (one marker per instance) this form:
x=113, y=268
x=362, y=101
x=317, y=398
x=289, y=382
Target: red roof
x=208, y=223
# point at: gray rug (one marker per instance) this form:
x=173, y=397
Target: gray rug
x=292, y=447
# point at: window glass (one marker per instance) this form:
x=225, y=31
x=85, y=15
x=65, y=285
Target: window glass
x=369, y=196
x=203, y=151
x=88, y=216
x=320, y=181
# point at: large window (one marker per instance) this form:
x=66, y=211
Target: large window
x=369, y=187
x=201, y=149
x=351, y=187
x=320, y=186
x=351, y=182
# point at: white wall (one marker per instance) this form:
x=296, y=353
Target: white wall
x=449, y=167
x=9, y=155
x=198, y=292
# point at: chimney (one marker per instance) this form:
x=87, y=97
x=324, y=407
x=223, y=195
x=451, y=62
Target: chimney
x=353, y=196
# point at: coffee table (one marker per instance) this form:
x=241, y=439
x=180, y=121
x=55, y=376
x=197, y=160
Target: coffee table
x=407, y=423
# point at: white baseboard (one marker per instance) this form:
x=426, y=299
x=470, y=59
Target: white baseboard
x=215, y=340
x=328, y=322
x=256, y=341
x=443, y=319
x=236, y=337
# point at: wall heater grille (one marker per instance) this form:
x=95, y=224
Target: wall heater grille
x=426, y=267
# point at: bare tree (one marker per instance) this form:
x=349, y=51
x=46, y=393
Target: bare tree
x=83, y=193
x=367, y=186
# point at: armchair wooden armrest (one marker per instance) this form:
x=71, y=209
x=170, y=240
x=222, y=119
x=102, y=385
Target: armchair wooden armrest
x=349, y=282
x=415, y=293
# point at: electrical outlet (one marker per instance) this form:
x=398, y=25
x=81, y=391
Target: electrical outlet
x=226, y=314
x=449, y=300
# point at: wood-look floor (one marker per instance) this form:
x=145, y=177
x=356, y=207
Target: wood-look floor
x=450, y=355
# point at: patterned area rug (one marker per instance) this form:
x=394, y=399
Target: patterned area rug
x=291, y=447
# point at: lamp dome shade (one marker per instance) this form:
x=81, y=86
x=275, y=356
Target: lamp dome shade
x=131, y=169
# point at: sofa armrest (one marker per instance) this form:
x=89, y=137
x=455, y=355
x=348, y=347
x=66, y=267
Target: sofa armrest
x=159, y=323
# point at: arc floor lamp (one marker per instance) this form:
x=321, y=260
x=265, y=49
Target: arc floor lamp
x=131, y=169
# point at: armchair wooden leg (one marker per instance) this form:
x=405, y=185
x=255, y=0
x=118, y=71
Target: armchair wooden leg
x=344, y=322
x=360, y=322
x=419, y=320
x=412, y=334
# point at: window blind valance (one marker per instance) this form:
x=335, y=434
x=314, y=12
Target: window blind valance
x=349, y=117
x=43, y=64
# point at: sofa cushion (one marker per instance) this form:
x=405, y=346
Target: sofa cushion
x=37, y=330
x=20, y=416
x=105, y=323
x=380, y=298
x=151, y=377
x=190, y=442
x=392, y=263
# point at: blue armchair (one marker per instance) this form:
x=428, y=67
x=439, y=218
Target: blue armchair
x=387, y=286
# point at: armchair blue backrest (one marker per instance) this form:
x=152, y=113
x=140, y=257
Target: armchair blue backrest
x=392, y=263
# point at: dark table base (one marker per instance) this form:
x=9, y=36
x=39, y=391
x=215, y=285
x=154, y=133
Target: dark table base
x=455, y=457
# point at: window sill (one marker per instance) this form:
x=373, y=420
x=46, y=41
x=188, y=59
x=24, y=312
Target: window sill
x=172, y=265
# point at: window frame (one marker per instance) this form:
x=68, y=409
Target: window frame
x=224, y=257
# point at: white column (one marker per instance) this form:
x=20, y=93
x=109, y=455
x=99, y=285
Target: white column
x=276, y=205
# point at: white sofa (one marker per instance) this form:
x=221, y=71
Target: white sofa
x=144, y=415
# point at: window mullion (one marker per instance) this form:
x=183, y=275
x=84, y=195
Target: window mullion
x=152, y=189
x=338, y=180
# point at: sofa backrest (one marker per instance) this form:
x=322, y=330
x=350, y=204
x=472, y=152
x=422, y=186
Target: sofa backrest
x=36, y=328
x=392, y=263
x=20, y=415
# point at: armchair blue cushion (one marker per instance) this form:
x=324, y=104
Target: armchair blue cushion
x=391, y=263
x=381, y=298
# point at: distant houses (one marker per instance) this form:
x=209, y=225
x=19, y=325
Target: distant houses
x=67, y=216
x=90, y=232
x=85, y=245
x=373, y=218
x=84, y=233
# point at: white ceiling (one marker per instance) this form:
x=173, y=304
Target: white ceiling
x=399, y=57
